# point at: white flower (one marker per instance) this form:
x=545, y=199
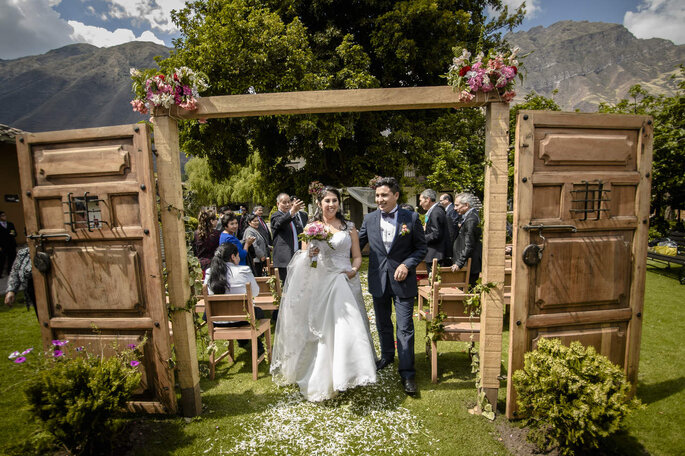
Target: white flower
x=14, y=355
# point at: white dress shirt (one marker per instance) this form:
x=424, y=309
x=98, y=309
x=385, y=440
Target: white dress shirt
x=388, y=228
x=237, y=276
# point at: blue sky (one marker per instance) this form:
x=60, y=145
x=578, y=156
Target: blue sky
x=30, y=27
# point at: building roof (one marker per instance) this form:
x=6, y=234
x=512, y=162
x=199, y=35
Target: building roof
x=8, y=133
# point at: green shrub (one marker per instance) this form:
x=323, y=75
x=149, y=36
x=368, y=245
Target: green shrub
x=80, y=401
x=572, y=397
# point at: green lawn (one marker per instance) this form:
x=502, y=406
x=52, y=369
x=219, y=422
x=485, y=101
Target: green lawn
x=246, y=417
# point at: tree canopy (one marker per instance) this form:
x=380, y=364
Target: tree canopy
x=252, y=46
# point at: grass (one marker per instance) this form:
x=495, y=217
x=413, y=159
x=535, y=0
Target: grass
x=246, y=417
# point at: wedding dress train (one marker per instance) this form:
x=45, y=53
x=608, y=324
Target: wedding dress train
x=323, y=341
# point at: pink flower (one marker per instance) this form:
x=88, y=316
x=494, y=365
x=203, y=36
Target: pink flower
x=202, y=121
x=27, y=351
x=58, y=353
x=59, y=343
x=465, y=95
x=131, y=346
x=508, y=96
x=20, y=360
x=134, y=363
x=139, y=106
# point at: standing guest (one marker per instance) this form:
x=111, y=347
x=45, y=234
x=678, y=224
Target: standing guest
x=285, y=227
x=447, y=202
x=396, y=245
x=226, y=276
x=230, y=224
x=8, y=243
x=222, y=211
x=206, y=238
x=468, y=242
x=436, y=230
x=407, y=207
x=301, y=215
x=263, y=228
x=21, y=279
x=261, y=248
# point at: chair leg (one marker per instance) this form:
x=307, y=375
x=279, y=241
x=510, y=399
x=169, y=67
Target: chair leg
x=255, y=366
x=268, y=345
x=231, y=353
x=419, y=305
x=434, y=361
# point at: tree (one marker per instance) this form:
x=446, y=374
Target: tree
x=247, y=46
x=668, y=165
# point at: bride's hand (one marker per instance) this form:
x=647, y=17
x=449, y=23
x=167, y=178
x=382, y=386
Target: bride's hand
x=351, y=273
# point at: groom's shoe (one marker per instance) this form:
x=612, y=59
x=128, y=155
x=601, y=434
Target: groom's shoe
x=410, y=387
x=383, y=363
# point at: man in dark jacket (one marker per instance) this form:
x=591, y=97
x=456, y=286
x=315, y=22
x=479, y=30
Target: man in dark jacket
x=8, y=243
x=447, y=202
x=285, y=227
x=437, y=232
x=468, y=242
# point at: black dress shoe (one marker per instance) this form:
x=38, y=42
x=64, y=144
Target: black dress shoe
x=409, y=385
x=383, y=363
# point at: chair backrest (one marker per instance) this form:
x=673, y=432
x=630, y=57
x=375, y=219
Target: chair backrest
x=451, y=304
x=264, y=287
x=228, y=307
x=270, y=267
x=458, y=278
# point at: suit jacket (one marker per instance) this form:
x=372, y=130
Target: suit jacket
x=284, y=247
x=437, y=234
x=409, y=249
x=7, y=240
x=468, y=243
x=302, y=217
x=264, y=231
x=454, y=220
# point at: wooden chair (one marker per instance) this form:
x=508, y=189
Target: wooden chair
x=270, y=269
x=422, y=278
x=235, y=307
x=265, y=299
x=447, y=279
x=425, y=289
x=449, y=296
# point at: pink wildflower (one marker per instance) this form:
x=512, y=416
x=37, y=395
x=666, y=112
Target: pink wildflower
x=20, y=359
x=508, y=96
x=134, y=363
x=58, y=353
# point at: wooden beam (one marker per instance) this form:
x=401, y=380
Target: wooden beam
x=173, y=234
x=327, y=101
x=494, y=239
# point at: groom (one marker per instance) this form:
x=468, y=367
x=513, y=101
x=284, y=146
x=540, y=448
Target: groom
x=397, y=244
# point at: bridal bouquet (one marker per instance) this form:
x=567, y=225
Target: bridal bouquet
x=486, y=73
x=315, y=231
x=153, y=89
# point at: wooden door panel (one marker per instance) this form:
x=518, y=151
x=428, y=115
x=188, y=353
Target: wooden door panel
x=577, y=276
x=581, y=192
x=91, y=207
x=116, y=270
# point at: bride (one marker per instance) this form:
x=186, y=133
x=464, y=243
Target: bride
x=322, y=340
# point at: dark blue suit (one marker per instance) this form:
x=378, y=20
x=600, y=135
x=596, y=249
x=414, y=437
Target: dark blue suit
x=408, y=249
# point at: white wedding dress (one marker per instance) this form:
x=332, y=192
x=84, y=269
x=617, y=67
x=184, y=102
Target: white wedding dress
x=322, y=341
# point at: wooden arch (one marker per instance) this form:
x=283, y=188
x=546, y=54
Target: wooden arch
x=328, y=101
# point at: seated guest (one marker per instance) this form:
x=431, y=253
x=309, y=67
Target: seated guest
x=226, y=276
x=206, y=237
x=437, y=231
x=230, y=224
x=261, y=248
x=468, y=242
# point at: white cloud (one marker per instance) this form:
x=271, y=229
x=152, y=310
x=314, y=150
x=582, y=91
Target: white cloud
x=658, y=19
x=30, y=27
x=158, y=14
x=102, y=37
x=532, y=6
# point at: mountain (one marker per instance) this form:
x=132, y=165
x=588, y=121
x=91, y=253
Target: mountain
x=81, y=86
x=593, y=62
x=76, y=86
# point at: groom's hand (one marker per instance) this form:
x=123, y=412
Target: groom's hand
x=401, y=273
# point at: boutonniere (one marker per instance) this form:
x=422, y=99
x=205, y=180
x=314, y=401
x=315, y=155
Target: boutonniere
x=404, y=230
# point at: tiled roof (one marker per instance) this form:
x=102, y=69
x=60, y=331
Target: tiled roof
x=8, y=133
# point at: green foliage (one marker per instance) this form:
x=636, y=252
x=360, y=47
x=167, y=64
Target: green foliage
x=668, y=168
x=252, y=46
x=79, y=400
x=572, y=396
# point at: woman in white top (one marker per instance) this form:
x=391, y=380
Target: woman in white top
x=226, y=276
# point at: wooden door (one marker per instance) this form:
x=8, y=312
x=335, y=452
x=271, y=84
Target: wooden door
x=90, y=205
x=585, y=178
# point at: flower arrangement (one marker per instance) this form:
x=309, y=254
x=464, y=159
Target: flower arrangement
x=486, y=73
x=404, y=230
x=153, y=89
x=316, y=231
x=315, y=188
x=373, y=182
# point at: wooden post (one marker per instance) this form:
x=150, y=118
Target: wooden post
x=494, y=239
x=173, y=234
